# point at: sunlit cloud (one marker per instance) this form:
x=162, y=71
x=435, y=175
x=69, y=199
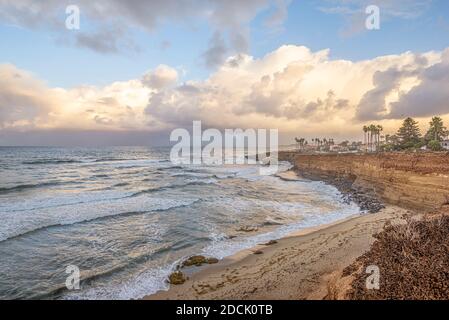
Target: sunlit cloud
x=291, y=88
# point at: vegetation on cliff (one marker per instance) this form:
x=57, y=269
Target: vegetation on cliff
x=413, y=261
x=409, y=136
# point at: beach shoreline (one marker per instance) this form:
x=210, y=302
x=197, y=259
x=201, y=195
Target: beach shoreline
x=310, y=264
x=299, y=266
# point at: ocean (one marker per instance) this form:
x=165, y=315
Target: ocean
x=126, y=216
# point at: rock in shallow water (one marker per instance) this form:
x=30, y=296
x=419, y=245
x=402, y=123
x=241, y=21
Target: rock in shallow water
x=247, y=229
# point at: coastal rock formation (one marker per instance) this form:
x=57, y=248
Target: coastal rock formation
x=418, y=181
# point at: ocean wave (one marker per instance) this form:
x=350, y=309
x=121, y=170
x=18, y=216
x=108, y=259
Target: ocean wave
x=153, y=279
x=170, y=168
x=27, y=222
x=147, y=282
x=135, y=163
x=175, y=186
x=113, y=159
x=22, y=187
x=121, y=184
x=51, y=161
x=45, y=202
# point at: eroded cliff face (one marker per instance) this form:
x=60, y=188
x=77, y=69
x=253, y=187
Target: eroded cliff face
x=417, y=181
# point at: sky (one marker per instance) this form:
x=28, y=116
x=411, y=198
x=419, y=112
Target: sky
x=135, y=70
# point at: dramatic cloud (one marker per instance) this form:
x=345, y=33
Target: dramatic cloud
x=23, y=98
x=420, y=90
x=429, y=97
x=373, y=103
x=27, y=103
x=291, y=88
x=106, y=24
x=294, y=87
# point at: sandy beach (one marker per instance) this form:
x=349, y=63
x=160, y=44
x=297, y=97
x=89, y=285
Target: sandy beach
x=301, y=266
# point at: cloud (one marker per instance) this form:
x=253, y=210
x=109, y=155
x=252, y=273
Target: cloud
x=113, y=39
x=373, y=104
x=161, y=77
x=430, y=97
x=26, y=103
x=217, y=51
x=354, y=11
x=425, y=94
x=406, y=9
x=292, y=88
x=277, y=18
x=22, y=98
x=106, y=25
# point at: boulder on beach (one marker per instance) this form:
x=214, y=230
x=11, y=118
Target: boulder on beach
x=271, y=242
x=198, y=261
x=212, y=260
x=177, y=278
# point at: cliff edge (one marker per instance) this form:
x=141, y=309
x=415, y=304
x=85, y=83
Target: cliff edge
x=418, y=181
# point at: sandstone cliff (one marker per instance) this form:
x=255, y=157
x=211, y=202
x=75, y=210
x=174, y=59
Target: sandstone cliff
x=418, y=181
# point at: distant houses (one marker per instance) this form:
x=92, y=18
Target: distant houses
x=407, y=138
x=445, y=144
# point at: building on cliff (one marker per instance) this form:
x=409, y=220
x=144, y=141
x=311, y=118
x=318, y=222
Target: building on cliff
x=445, y=144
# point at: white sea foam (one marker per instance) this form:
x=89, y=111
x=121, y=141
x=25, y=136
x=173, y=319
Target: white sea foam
x=154, y=280
x=27, y=221
x=147, y=282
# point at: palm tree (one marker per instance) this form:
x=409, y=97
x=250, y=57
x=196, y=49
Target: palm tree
x=379, y=129
x=372, y=134
x=301, y=142
x=365, y=130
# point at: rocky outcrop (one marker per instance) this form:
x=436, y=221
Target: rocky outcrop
x=418, y=181
x=198, y=261
x=177, y=278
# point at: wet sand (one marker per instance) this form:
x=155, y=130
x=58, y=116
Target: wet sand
x=303, y=265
